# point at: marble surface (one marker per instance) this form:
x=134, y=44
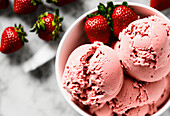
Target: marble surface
x=36, y=93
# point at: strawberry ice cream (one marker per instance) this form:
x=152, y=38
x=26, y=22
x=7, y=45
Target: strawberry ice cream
x=144, y=49
x=135, y=93
x=130, y=78
x=93, y=74
x=138, y=111
x=102, y=110
x=165, y=96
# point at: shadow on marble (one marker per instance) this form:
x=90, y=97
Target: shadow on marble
x=73, y=8
x=166, y=12
x=8, y=12
x=20, y=56
x=42, y=73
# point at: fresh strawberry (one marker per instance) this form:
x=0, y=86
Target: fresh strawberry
x=13, y=38
x=160, y=4
x=48, y=26
x=25, y=6
x=60, y=2
x=98, y=25
x=97, y=29
x=122, y=17
x=4, y=4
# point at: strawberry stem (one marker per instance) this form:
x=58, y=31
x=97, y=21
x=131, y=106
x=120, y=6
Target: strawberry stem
x=52, y=1
x=107, y=12
x=101, y=9
x=36, y=2
x=125, y=3
x=57, y=23
x=21, y=33
x=40, y=24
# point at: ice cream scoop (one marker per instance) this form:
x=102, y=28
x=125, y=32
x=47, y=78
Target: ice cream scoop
x=93, y=74
x=165, y=96
x=138, y=111
x=136, y=93
x=145, y=50
x=102, y=110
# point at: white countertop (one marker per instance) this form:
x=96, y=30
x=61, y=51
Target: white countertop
x=36, y=93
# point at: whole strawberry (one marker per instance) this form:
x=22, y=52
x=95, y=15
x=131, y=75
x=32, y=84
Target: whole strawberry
x=25, y=6
x=60, y=2
x=160, y=4
x=4, y=4
x=48, y=26
x=13, y=38
x=97, y=29
x=122, y=17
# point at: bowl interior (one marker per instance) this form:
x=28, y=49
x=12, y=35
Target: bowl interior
x=75, y=36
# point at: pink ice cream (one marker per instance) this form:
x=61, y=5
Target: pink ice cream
x=102, y=110
x=138, y=111
x=105, y=110
x=95, y=79
x=135, y=93
x=145, y=50
x=163, y=99
x=165, y=96
x=93, y=74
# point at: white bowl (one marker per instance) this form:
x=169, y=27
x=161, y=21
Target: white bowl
x=75, y=36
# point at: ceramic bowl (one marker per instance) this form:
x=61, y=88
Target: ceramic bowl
x=75, y=36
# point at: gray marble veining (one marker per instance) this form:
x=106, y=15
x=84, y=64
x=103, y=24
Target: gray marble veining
x=36, y=93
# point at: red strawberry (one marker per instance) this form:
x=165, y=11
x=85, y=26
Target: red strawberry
x=122, y=17
x=25, y=6
x=4, y=4
x=48, y=26
x=60, y=2
x=160, y=4
x=97, y=29
x=13, y=38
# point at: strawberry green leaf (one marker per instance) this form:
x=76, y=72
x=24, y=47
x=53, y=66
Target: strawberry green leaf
x=38, y=25
x=25, y=34
x=56, y=12
x=36, y=2
x=101, y=9
x=20, y=26
x=42, y=26
x=15, y=25
x=48, y=1
x=45, y=14
x=53, y=23
x=110, y=8
x=61, y=19
x=92, y=15
x=25, y=40
x=33, y=30
x=41, y=16
x=52, y=1
x=21, y=33
x=58, y=27
x=111, y=29
x=125, y=3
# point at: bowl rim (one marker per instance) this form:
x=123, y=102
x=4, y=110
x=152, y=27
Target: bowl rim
x=57, y=59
